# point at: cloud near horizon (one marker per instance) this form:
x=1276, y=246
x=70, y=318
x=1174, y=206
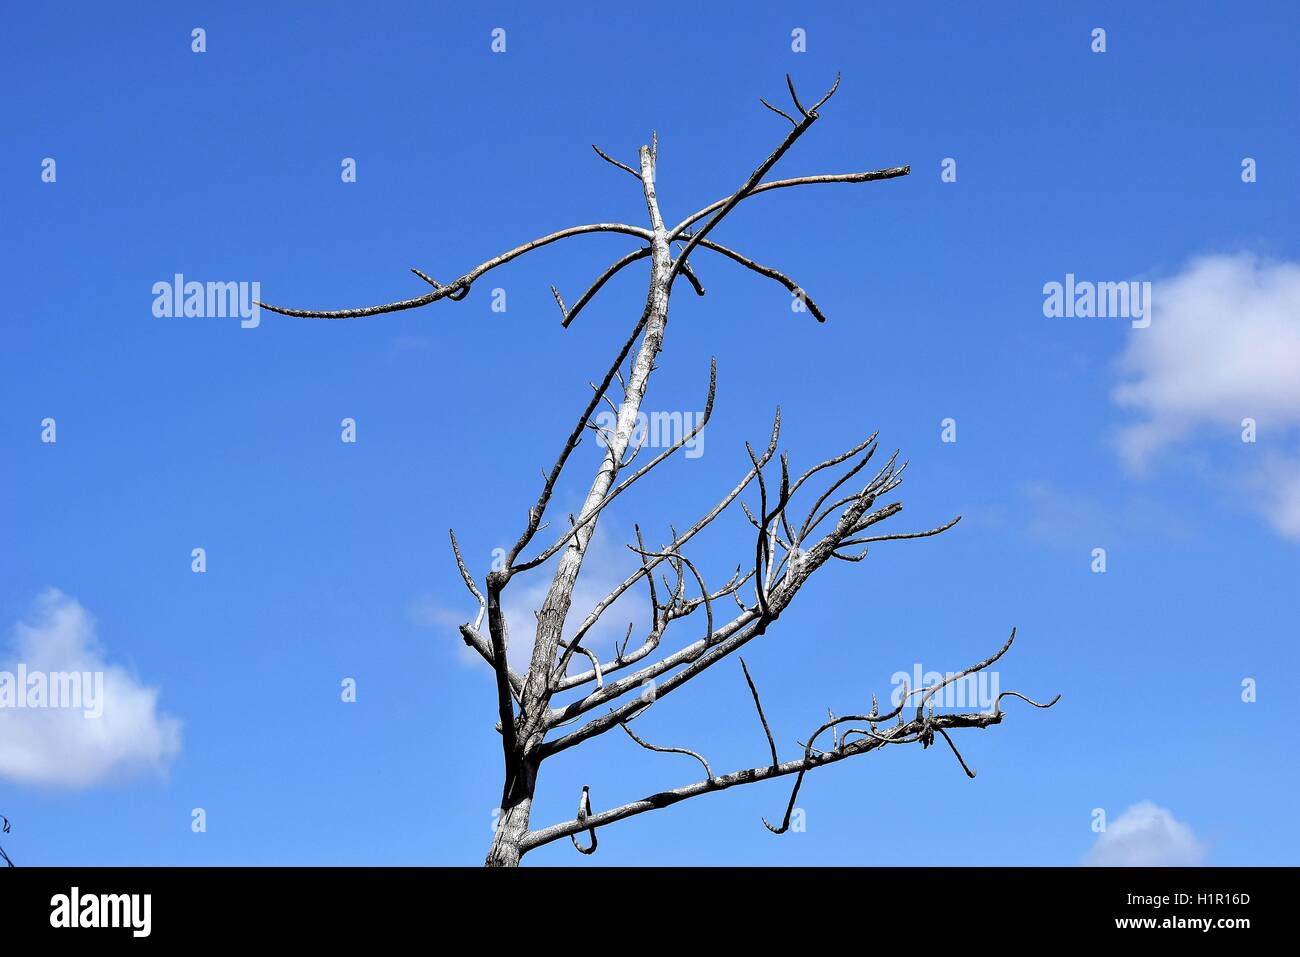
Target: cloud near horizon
x=1146, y=835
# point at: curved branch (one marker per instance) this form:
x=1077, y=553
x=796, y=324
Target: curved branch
x=591, y=656
x=662, y=750
x=460, y=287
x=731, y=201
x=584, y=811
x=1016, y=694
x=935, y=688
x=469, y=581
x=770, y=273
x=567, y=316
x=833, y=460
x=970, y=772
x=903, y=535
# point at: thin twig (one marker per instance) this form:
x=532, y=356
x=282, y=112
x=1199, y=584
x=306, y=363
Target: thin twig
x=771, y=742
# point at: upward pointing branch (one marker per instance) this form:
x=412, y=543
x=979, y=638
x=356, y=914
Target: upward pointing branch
x=809, y=118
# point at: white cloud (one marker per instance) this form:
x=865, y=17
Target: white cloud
x=1146, y=835
x=1223, y=346
x=64, y=747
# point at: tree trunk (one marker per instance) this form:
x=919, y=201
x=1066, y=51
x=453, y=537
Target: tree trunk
x=511, y=828
x=512, y=825
x=555, y=609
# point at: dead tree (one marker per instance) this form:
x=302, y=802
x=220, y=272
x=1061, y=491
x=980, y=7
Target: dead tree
x=788, y=546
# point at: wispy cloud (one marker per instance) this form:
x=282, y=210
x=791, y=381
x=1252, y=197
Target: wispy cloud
x=1071, y=518
x=427, y=612
x=68, y=747
x=403, y=345
x=1146, y=835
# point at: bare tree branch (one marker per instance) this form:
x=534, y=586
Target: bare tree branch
x=567, y=316
x=750, y=624
x=770, y=273
x=654, y=747
x=460, y=287
x=589, y=515
x=905, y=535
x=647, y=570
x=771, y=742
x=754, y=178
x=609, y=159
x=921, y=729
x=662, y=799
x=868, y=176
x=475, y=640
x=779, y=112
x=469, y=582
x=584, y=811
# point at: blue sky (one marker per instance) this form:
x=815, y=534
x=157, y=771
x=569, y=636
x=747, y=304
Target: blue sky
x=329, y=560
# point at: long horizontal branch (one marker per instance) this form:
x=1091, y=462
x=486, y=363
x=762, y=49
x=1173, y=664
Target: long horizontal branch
x=535, y=839
x=568, y=314
x=459, y=287
x=864, y=177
